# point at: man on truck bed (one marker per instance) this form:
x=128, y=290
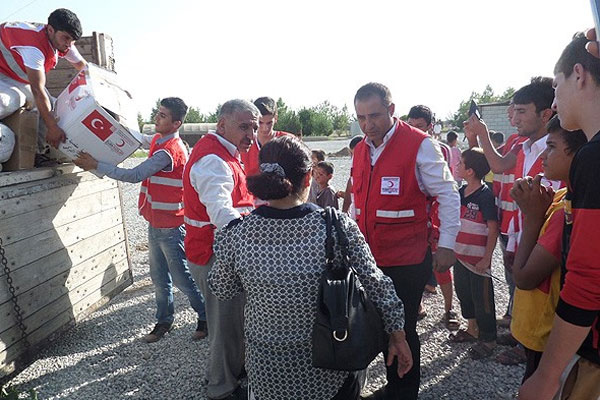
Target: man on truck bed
x=161, y=204
x=27, y=52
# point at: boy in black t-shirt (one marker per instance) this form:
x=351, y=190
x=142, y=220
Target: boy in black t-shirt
x=576, y=327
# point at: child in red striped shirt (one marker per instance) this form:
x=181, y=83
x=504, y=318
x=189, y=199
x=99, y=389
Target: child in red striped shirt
x=474, y=247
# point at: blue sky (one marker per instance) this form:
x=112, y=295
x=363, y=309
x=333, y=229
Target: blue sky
x=431, y=52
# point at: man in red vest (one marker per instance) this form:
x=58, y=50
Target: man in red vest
x=267, y=120
x=161, y=204
x=215, y=193
x=27, y=52
x=532, y=110
x=421, y=117
x=395, y=169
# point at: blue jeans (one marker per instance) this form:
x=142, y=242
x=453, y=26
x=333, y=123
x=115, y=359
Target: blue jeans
x=168, y=266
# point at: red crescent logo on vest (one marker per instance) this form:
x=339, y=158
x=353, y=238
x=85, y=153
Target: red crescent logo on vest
x=98, y=124
x=121, y=143
x=78, y=81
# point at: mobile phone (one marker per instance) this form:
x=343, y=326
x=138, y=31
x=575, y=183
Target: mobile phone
x=596, y=13
x=474, y=110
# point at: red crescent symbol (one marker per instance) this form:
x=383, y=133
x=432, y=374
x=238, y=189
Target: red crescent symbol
x=390, y=184
x=121, y=144
x=97, y=123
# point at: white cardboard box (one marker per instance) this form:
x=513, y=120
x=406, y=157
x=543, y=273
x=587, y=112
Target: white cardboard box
x=98, y=117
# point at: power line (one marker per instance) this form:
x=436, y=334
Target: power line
x=20, y=9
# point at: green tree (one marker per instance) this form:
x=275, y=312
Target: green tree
x=194, y=116
x=154, y=111
x=487, y=96
x=287, y=120
x=140, y=121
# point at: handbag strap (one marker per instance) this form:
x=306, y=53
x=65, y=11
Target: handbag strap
x=342, y=237
x=329, y=240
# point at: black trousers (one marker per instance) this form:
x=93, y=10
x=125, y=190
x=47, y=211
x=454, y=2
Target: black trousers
x=533, y=360
x=409, y=281
x=350, y=390
x=476, y=295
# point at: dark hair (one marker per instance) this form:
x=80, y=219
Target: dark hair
x=539, y=92
x=497, y=137
x=325, y=166
x=374, y=89
x=292, y=155
x=474, y=159
x=573, y=139
x=451, y=136
x=66, y=21
x=176, y=106
x=266, y=106
x=319, y=154
x=354, y=141
x=576, y=53
x=421, y=111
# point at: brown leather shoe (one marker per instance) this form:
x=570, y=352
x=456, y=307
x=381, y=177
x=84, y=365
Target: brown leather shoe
x=201, y=331
x=158, y=332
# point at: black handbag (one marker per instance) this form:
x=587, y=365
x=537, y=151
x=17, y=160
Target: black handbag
x=348, y=332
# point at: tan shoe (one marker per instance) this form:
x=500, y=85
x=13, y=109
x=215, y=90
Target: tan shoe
x=158, y=332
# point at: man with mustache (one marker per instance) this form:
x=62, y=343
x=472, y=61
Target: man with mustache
x=394, y=171
x=27, y=52
x=215, y=193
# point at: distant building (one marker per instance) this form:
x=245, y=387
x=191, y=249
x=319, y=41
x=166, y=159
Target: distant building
x=355, y=129
x=191, y=133
x=495, y=117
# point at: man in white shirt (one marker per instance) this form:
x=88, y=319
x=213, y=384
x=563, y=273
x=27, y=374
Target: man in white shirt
x=27, y=52
x=394, y=172
x=215, y=193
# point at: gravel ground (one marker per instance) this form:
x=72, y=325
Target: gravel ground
x=105, y=358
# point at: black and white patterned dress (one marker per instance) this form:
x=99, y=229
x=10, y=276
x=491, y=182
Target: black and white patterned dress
x=276, y=257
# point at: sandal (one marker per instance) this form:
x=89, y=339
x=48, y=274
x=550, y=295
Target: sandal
x=513, y=356
x=451, y=321
x=462, y=336
x=481, y=350
x=506, y=340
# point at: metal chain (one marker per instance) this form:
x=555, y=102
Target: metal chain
x=13, y=298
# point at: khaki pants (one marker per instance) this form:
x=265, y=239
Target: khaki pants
x=225, y=320
x=581, y=381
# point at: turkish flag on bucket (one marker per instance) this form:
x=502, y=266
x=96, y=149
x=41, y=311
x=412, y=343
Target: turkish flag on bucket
x=98, y=124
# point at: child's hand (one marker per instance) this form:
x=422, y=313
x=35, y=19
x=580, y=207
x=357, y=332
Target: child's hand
x=592, y=46
x=483, y=265
x=532, y=197
x=340, y=194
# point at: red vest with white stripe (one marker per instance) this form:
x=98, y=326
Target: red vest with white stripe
x=504, y=182
x=250, y=158
x=199, y=236
x=391, y=209
x=13, y=34
x=161, y=195
x=535, y=169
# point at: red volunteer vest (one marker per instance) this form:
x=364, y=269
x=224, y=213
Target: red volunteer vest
x=250, y=158
x=535, y=169
x=14, y=34
x=161, y=195
x=503, y=183
x=391, y=210
x=199, y=236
